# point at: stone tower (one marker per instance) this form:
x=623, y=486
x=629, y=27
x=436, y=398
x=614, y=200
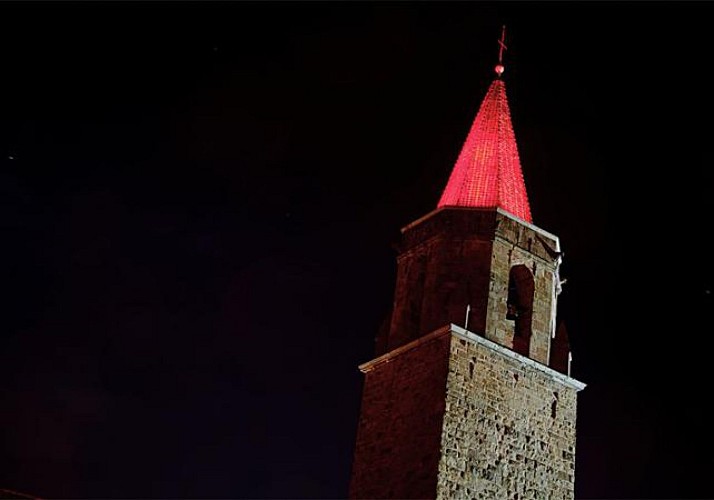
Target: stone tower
x=485, y=409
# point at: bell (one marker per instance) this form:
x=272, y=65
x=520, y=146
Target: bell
x=511, y=312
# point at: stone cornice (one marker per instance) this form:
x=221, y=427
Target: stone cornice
x=472, y=337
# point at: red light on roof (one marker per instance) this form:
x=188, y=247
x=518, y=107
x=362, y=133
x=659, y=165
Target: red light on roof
x=487, y=173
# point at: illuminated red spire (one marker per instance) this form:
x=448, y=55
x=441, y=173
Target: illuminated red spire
x=488, y=172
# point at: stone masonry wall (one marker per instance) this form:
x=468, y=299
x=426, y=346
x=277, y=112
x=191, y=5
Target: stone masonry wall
x=442, y=267
x=509, y=429
x=516, y=244
x=456, y=258
x=399, y=431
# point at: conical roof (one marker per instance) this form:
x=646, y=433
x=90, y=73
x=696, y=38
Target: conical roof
x=488, y=172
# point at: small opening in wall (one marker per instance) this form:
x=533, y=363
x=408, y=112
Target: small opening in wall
x=519, y=307
x=471, y=369
x=554, y=405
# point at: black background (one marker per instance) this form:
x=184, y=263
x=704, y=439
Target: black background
x=198, y=203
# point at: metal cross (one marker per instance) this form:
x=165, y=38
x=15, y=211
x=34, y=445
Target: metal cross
x=502, y=44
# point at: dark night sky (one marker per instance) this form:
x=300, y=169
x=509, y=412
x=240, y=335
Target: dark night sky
x=199, y=202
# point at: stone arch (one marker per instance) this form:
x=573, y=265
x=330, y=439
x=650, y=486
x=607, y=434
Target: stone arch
x=521, y=288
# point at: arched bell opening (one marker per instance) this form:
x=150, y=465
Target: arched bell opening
x=519, y=307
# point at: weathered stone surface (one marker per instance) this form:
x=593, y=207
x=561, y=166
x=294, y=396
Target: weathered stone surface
x=508, y=430
x=456, y=258
x=516, y=244
x=453, y=414
x=399, y=430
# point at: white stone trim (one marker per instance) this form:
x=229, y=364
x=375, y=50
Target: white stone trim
x=498, y=210
x=422, y=218
x=472, y=337
x=556, y=375
x=384, y=358
x=531, y=226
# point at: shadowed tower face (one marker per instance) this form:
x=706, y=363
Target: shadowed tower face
x=469, y=395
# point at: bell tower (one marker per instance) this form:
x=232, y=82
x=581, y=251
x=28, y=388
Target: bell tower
x=470, y=394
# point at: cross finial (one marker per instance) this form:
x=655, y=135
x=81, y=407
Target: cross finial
x=501, y=48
